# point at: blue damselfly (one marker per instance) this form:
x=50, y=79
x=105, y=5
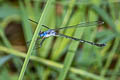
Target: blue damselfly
x=53, y=32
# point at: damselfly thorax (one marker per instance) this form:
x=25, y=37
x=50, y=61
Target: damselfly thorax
x=48, y=33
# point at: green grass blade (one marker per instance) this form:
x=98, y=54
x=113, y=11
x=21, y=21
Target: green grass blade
x=41, y=21
x=90, y=35
x=27, y=29
x=73, y=46
x=110, y=57
x=104, y=16
x=49, y=63
x=116, y=70
x=37, y=10
x=29, y=8
x=4, y=39
x=4, y=59
x=58, y=47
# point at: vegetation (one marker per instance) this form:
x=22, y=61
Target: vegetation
x=59, y=58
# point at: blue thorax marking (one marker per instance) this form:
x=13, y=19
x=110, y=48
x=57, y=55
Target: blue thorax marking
x=48, y=33
x=43, y=34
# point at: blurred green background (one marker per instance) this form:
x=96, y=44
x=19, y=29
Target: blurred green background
x=60, y=58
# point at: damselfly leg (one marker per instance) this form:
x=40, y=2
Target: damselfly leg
x=42, y=42
x=38, y=42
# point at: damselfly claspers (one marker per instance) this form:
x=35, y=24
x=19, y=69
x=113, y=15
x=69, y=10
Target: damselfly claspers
x=52, y=32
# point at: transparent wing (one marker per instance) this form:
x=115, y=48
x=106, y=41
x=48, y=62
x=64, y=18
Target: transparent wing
x=39, y=44
x=82, y=41
x=42, y=42
x=84, y=24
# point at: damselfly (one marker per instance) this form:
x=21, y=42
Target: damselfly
x=53, y=32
